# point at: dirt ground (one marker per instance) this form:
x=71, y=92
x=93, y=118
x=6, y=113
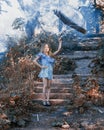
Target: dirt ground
x=89, y=119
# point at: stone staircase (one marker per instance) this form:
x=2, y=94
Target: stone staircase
x=61, y=89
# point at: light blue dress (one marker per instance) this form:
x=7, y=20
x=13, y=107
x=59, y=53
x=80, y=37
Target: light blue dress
x=48, y=61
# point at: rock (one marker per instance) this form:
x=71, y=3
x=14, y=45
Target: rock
x=76, y=125
x=100, y=121
x=80, y=100
x=4, y=124
x=66, y=125
x=57, y=124
x=12, y=102
x=91, y=127
x=67, y=113
x=16, y=97
x=63, y=125
x=88, y=126
x=3, y=116
x=6, y=127
x=21, y=123
x=84, y=123
x=81, y=110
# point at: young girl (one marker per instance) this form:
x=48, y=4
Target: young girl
x=45, y=61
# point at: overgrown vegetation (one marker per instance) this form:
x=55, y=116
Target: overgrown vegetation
x=18, y=74
x=86, y=94
x=97, y=64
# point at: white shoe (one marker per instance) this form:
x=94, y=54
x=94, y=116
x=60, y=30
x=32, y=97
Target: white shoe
x=44, y=103
x=48, y=103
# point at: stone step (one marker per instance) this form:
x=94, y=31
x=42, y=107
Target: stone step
x=54, y=90
x=65, y=79
x=39, y=85
x=82, y=67
x=53, y=86
x=53, y=101
x=92, y=36
x=62, y=81
x=64, y=76
x=87, y=43
x=80, y=55
x=39, y=96
x=59, y=81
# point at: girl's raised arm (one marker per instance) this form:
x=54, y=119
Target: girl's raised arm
x=59, y=47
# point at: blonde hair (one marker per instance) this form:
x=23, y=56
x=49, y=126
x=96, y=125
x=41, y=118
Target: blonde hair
x=50, y=52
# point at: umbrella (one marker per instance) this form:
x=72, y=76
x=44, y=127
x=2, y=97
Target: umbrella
x=70, y=16
x=68, y=21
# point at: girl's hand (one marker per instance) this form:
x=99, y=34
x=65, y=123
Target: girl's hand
x=59, y=47
x=44, y=67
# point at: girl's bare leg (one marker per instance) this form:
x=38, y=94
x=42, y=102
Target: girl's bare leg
x=48, y=89
x=44, y=89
